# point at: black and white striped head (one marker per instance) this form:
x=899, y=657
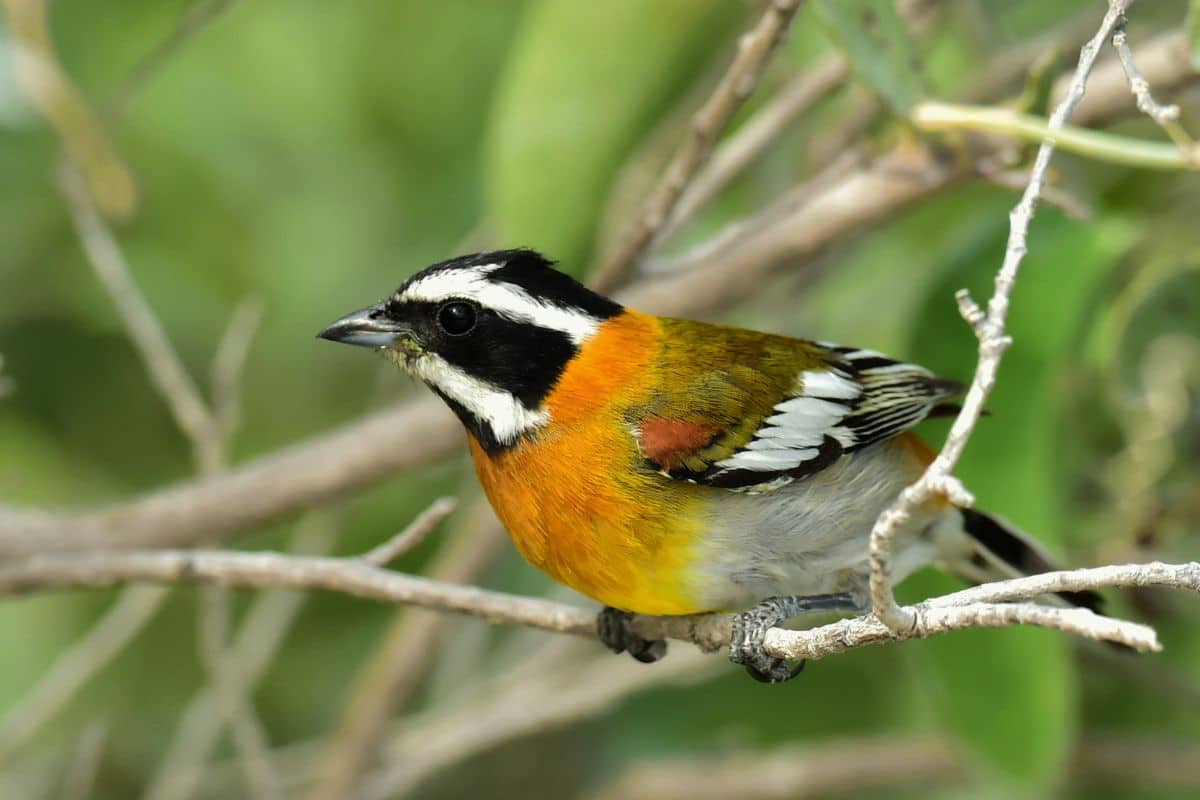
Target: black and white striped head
x=490, y=333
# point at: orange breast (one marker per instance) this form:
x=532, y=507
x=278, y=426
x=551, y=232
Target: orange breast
x=578, y=500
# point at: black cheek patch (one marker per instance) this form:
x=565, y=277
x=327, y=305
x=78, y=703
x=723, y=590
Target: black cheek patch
x=521, y=359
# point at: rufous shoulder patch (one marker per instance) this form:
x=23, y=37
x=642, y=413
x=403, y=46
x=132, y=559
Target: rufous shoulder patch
x=668, y=442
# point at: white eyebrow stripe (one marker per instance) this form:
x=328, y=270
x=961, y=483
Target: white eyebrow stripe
x=505, y=298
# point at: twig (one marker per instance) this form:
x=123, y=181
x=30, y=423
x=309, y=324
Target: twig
x=754, y=136
x=819, y=769
x=231, y=691
x=81, y=773
x=191, y=22
x=1165, y=116
x=229, y=363
x=393, y=671
x=415, y=533
x=264, y=627
x=166, y=371
x=108, y=181
x=76, y=667
x=353, y=576
x=738, y=83
x=938, y=479
x=310, y=473
x=932, y=115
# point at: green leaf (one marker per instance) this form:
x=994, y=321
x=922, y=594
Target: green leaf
x=1012, y=694
x=874, y=38
x=584, y=84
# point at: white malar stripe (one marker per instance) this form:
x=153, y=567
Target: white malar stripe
x=507, y=416
x=512, y=301
x=823, y=383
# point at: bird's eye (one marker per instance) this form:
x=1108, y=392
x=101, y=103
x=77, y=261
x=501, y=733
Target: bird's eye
x=456, y=318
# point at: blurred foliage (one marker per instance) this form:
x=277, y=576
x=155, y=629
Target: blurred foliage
x=314, y=154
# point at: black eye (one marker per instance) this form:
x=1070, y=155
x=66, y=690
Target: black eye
x=456, y=318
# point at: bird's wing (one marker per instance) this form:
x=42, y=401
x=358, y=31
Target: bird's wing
x=763, y=422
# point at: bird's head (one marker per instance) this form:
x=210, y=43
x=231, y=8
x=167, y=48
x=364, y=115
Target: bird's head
x=490, y=333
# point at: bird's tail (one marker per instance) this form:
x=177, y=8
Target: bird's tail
x=998, y=551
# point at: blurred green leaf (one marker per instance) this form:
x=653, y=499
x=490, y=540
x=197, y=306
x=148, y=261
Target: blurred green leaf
x=585, y=82
x=874, y=38
x=1012, y=695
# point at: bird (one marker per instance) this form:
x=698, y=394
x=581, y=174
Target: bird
x=666, y=466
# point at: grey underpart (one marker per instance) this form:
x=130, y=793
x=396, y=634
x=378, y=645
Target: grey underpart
x=750, y=628
x=612, y=626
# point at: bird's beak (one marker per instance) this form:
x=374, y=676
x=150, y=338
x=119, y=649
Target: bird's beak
x=367, y=327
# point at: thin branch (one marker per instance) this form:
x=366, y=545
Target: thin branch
x=932, y=115
x=754, y=136
x=412, y=536
x=232, y=691
x=75, y=668
x=354, y=577
x=738, y=83
x=194, y=19
x=818, y=769
x=394, y=670
x=938, y=479
x=81, y=773
x=106, y=179
x=257, y=641
x=166, y=370
x=6, y=384
x=311, y=473
x=230, y=362
x=1165, y=116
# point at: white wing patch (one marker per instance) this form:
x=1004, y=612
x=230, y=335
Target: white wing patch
x=861, y=397
x=472, y=283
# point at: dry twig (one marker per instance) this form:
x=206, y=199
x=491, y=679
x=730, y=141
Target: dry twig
x=738, y=83
x=1165, y=116
x=412, y=535
x=938, y=479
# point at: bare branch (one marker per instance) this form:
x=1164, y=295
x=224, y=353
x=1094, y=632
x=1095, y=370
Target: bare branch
x=394, y=670
x=737, y=152
x=1165, y=116
x=415, y=533
x=259, y=638
x=820, y=769
x=76, y=667
x=938, y=479
x=166, y=370
x=738, y=83
x=355, y=577
x=229, y=363
x=311, y=473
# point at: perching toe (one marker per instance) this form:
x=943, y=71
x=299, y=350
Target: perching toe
x=612, y=626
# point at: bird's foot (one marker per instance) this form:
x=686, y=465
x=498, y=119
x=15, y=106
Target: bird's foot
x=612, y=626
x=750, y=628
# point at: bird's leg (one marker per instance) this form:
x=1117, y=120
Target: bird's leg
x=751, y=626
x=612, y=626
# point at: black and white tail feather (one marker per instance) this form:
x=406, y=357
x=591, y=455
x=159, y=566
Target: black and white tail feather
x=1001, y=551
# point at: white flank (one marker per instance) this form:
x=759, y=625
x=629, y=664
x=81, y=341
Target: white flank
x=471, y=283
x=506, y=415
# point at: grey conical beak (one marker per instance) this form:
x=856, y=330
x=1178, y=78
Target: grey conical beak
x=367, y=327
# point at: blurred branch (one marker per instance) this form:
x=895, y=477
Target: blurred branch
x=811, y=770
x=166, y=369
x=413, y=534
x=755, y=135
x=933, y=115
x=938, y=479
x=194, y=19
x=230, y=362
x=257, y=641
x=738, y=83
x=6, y=384
x=985, y=606
x=1165, y=116
x=109, y=183
x=311, y=473
x=74, y=668
x=80, y=775
x=393, y=671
